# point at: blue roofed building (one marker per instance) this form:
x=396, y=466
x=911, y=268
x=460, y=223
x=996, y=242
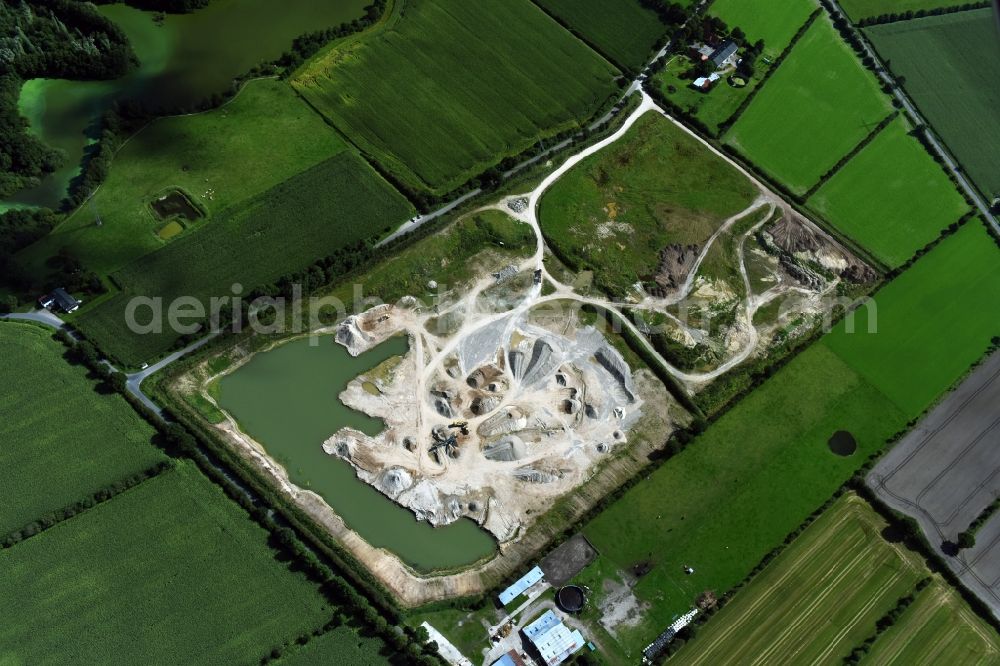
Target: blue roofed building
x=554, y=641
x=522, y=584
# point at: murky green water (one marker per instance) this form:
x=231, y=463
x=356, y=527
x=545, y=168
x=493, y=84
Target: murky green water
x=183, y=60
x=286, y=399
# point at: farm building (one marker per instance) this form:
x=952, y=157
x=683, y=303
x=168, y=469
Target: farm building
x=725, y=55
x=554, y=641
x=59, y=299
x=511, y=658
x=705, y=82
x=522, y=584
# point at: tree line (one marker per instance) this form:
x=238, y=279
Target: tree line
x=892, y=17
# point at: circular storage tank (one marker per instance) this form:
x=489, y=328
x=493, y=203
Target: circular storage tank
x=571, y=598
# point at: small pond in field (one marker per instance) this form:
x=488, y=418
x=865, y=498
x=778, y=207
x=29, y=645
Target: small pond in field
x=842, y=443
x=183, y=59
x=286, y=399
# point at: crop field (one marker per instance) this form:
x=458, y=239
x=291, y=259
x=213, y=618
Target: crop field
x=817, y=106
x=951, y=65
x=623, y=30
x=60, y=440
x=614, y=211
x=219, y=158
x=342, y=645
x=937, y=628
x=892, y=198
x=859, y=9
x=930, y=321
x=171, y=571
x=774, y=22
x=735, y=493
x=460, y=85
x=335, y=204
x=817, y=600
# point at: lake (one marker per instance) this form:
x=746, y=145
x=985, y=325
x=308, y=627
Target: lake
x=286, y=399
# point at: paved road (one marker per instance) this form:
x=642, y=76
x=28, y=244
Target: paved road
x=413, y=225
x=38, y=316
x=917, y=119
x=135, y=379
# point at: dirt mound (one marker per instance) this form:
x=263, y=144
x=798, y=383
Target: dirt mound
x=792, y=236
x=676, y=261
x=859, y=273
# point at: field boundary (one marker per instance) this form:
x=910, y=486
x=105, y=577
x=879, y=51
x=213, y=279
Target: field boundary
x=593, y=47
x=52, y=518
x=842, y=162
x=901, y=17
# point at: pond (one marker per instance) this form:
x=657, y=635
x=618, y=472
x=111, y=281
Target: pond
x=183, y=59
x=286, y=399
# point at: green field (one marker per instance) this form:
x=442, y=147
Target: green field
x=775, y=22
x=937, y=628
x=930, y=321
x=859, y=9
x=335, y=204
x=951, y=65
x=342, y=645
x=446, y=89
x=817, y=106
x=892, y=198
x=231, y=153
x=60, y=440
x=732, y=495
x=657, y=185
x=171, y=571
x=623, y=30
x=816, y=601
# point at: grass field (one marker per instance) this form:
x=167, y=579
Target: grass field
x=732, y=495
x=258, y=140
x=891, y=198
x=817, y=600
x=623, y=30
x=460, y=85
x=774, y=22
x=614, y=211
x=859, y=9
x=60, y=440
x=334, y=204
x=937, y=628
x=951, y=65
x=930, y=321
x=817, y=106
x=171, y=571
x=342, y=645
